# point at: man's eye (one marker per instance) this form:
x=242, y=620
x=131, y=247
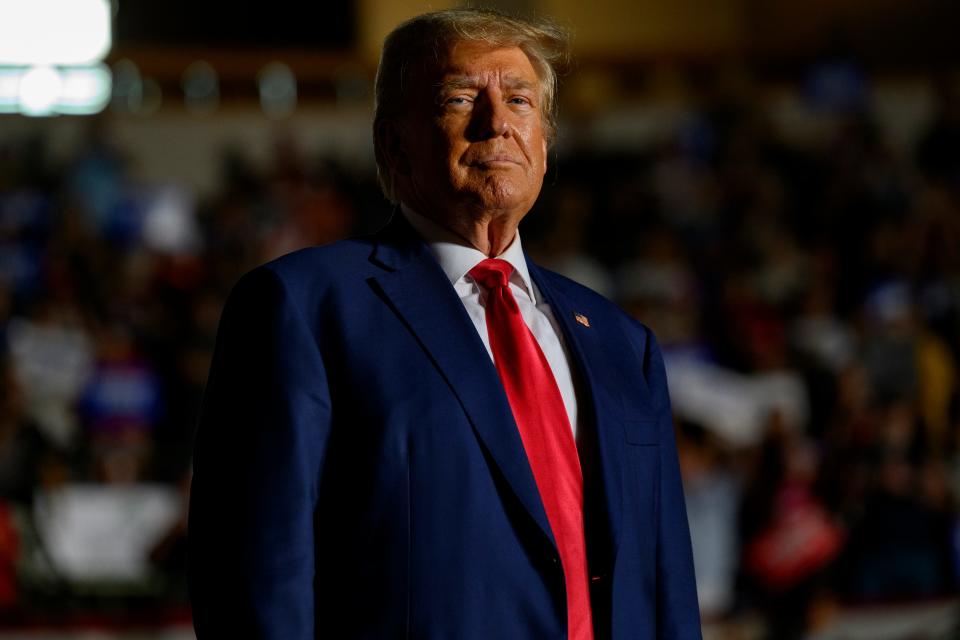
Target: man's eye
x=519, y=100
x=457, y=101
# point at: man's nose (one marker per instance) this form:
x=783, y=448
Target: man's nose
x=491, y=118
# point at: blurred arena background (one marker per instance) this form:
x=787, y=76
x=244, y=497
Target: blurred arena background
x=773, y=187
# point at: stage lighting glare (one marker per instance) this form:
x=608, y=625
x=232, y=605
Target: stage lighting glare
x=201, y=88
x=54, y=32
x=85, y=90
x=277, y=85
x=9, y=90
x=40, y=90
x=127, y=86
x=47, y=91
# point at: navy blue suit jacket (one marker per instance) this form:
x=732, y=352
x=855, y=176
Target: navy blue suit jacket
x=358, y=472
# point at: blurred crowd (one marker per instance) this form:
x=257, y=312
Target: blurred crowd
x=806, y=295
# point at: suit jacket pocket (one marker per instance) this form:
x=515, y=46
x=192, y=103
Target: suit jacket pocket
x=641, y=432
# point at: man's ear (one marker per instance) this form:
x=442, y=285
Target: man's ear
x=546, y=155
x=390, y=142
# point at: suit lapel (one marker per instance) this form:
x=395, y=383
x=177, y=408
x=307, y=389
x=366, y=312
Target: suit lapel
x=600, y=399
x=421, y=295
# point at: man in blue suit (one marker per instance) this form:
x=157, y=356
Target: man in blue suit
x=365, y=464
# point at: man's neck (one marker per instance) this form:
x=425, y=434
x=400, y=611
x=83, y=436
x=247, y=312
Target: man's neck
x=489, y=235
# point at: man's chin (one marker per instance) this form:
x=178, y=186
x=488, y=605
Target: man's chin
x=499, y=193
x=501, y=204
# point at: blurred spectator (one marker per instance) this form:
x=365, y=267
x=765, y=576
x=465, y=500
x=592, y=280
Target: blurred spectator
x=9, y=554
x=938, y=150
x=901, y=547
x=51, y=355
x=660, y=287
x=790, y=538
x=563, y=249
x=308, y=207
x=97, y=183
x=713, y=494
x=22, y=445
x=120, y=407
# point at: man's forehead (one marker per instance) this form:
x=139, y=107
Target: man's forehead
x=469, y=58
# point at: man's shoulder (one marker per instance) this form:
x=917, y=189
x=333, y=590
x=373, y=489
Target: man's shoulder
x=330, y=260
x=309, y=275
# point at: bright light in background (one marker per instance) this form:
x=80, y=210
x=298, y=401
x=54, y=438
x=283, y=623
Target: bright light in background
x=45, y=91
x=132, y=92
x=9, y=90
x=127, y=86
x=54, y=32
x=85, y=90
x=50, y=56
x=201, y=88
x=39, y=91
x=278, y=90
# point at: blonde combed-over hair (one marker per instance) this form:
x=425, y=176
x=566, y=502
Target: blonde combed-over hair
x=427, y=37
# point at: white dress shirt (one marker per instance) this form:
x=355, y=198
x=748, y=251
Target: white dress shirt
x=456, y=258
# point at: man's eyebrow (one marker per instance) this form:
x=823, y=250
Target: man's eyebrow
x=521, y=84
x=454, y=83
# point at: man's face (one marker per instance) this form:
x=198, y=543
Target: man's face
x=472, y=140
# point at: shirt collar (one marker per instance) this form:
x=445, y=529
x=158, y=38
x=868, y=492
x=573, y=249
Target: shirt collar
x=456, y=258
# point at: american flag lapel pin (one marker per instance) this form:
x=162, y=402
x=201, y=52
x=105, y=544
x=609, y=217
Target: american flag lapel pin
x=582, y=319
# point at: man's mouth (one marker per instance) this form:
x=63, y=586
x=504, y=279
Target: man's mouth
x=494, y=160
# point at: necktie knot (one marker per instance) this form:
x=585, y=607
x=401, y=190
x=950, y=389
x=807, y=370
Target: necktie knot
x=492, y=273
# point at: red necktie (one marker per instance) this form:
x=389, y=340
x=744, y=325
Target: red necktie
x=545, y=431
